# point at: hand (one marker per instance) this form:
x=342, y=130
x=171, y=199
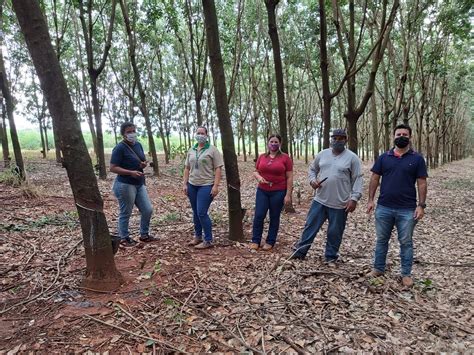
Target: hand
x=214, y=191
x=185, y=189
x=261, y=180
x=143, y=164
x=136, y=174
x=419, y=213
x=287, y=200
x=370, y=206
x=351, y=205
x=315, y=184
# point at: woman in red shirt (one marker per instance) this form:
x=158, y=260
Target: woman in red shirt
x=274, y=173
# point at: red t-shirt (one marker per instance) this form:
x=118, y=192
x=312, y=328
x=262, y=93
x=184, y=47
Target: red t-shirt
x=274, y=171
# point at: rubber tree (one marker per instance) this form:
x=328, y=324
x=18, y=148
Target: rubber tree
x=225, y=125
x=101, y=273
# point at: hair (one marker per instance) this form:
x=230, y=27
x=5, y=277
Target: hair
x=403, y=126
x=277, y=136
x=124, y=126
x=201, y=127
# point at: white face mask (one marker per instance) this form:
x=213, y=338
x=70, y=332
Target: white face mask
x=131, y=137
x=201, y=138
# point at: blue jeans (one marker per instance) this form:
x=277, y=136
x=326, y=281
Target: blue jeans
x=385, y=219
x=127, y=196
x=317, y=215
x=267, y=200
x=200, y=198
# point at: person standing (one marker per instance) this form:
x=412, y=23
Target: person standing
x=400, y=168
x=274, y=173
x=336, y=176
x=128, y=161
x=201, y=179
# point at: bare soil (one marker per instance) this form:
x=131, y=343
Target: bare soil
x=228, y=298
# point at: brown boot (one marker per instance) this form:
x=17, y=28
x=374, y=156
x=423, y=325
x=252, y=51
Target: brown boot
x=267, y=247
x=195, y=242
x=253, y=246
x=204, y=245
x=407, y=281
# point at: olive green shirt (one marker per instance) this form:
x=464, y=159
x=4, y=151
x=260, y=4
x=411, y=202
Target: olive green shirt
x=202, y=164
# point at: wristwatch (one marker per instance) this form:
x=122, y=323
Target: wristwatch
x=422, y=205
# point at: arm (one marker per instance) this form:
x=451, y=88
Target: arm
x=217, y=181
x=114, y=168
x=422, y=192
x=185, y=179
x=373, y=185
x=357, y=182
x=313, y=172
x=257, y=175
x=289, y=187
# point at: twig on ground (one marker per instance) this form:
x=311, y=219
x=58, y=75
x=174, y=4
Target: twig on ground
x=161, y=342
x=58, y=272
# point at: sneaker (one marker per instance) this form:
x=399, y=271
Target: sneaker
x=331, y=263
x=267, y=247
x=146, y=238
x=296, y=256
x=254, y=246
x=375, y=273
x=204, y=245
x=407, y=281
x=195, y=242
x=128, y=242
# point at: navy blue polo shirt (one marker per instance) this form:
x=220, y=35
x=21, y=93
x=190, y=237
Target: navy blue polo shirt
x=122, y=156
x=399, y=174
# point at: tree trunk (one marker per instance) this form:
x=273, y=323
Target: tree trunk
x=4, y=137
x=273, y=32
x=43, y=143
x=141, y=91
x=375, y=128
x=323, y=64
x=101, y=273
x=225, y=125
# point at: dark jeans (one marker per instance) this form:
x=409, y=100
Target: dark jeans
x=265, y=201
x=200, y=198
x=317, y=215
x=385, y=219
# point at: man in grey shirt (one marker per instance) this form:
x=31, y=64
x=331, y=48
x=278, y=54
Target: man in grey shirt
x=336, y=175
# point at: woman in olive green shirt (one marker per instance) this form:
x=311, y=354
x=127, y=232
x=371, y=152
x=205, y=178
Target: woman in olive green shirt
x=202, y=175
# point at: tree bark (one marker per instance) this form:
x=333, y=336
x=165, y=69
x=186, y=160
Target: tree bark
x=4, y=137
x=101, y=273
x=225, y=125
x=280, y=87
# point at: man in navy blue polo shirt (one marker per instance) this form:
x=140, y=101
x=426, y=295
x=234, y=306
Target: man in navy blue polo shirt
x=400, y=168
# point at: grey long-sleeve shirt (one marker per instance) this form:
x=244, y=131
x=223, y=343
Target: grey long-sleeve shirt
x=344, y=175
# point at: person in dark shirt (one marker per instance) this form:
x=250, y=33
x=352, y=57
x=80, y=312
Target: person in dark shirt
x=274, y=173
x=128, y=161
x=400, y=168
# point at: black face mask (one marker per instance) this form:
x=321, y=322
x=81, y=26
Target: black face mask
x=402, y=142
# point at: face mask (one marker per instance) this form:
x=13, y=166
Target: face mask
x=201, y=138
x=402, y=142
x=273, y=147
x=131, y=137
x=338, y=146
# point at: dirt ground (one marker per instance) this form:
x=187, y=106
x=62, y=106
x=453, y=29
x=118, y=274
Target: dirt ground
x=228, y=298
